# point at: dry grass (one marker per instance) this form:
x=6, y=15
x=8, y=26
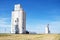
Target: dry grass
x=29, y=36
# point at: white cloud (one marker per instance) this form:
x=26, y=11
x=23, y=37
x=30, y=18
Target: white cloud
x=54, y=27
x=4, y=23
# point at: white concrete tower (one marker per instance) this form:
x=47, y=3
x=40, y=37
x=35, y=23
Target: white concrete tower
x=47, y=31
x=18, y=20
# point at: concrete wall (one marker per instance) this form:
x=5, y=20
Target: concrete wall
x=18, y=13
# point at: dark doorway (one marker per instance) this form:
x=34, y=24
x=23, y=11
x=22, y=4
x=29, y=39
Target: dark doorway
x=16, y=29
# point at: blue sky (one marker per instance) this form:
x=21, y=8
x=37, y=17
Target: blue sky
x=39, y=13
